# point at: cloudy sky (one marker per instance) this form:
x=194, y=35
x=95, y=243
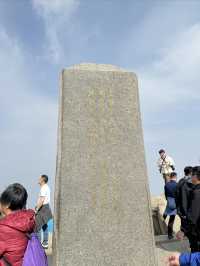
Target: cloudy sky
x=157, y=39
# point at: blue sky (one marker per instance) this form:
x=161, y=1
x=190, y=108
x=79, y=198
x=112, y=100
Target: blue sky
x=158, y=40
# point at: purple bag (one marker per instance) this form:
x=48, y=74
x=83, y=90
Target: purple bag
x=34, y=254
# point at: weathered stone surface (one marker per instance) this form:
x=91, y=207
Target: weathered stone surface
x=102, y=204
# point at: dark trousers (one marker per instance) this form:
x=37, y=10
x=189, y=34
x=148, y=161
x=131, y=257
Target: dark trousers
x=170, y=223
x=194, y=243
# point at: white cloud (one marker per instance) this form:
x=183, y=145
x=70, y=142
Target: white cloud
x=28, y=121
x=174, y=78
x=169, y=88
x=164, y=46
x=56, y=15
x=184, y=55
x=54, y=7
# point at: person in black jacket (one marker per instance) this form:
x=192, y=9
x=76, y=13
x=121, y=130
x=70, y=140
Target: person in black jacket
x=192, y=220
x=170, y=194
x=184, y=189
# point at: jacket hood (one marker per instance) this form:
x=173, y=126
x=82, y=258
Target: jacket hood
x=23, y=220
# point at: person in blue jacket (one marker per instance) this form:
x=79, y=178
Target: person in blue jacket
x=184, y=259
x=170, y=194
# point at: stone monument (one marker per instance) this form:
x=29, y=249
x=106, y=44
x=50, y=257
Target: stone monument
x=102, y=203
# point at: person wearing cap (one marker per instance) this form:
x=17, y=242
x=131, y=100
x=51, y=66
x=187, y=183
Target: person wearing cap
x=166, y=165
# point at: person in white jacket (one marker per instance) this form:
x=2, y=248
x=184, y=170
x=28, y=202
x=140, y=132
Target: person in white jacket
x=166, y=165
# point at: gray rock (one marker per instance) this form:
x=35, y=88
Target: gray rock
x=102, y=203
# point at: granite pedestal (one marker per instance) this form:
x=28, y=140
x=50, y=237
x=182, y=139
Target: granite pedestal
x=102, y=205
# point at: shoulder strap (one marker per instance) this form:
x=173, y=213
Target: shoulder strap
x=163, y=161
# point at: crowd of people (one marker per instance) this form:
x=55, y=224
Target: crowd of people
x=183, y=199
x=17, y=222
x=19, y=225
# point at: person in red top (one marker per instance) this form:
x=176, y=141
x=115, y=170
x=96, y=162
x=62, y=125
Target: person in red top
x=16, y=223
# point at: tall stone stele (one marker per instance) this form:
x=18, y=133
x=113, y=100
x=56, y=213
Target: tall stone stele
x=102, y=203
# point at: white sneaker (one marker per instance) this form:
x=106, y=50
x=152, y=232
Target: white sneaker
x=45, y=245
